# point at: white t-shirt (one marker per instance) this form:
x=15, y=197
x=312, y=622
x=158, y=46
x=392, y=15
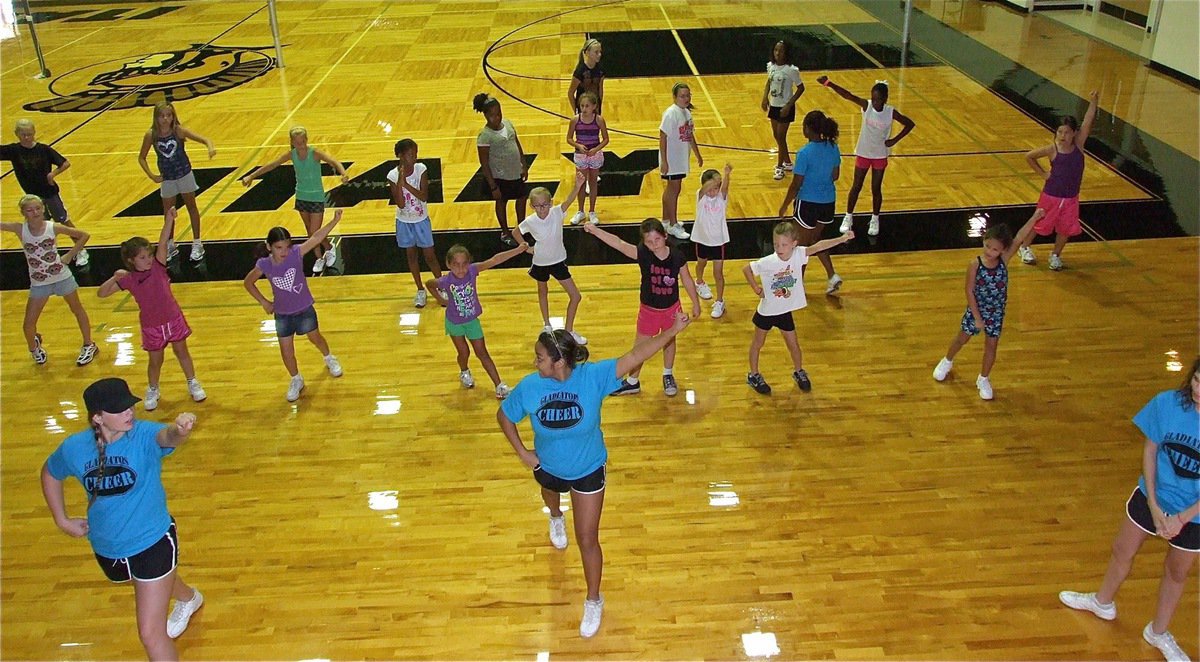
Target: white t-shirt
x=784, y=79
x=414, y=210
x=782, y=282
x=678, y=127
x=876, y=129
x=710, y=228
x=548, y=233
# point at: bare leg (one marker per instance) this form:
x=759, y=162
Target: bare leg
x=989, y=355
x=780, y=130
x=553, y=501
x=81, y=316
x=1175, y=571
x=793, y=345
x=432, y=262
x=502, y=214
x=593, y=190
x=1124, y=547
x=587, y=535
x=414, y=267
x=719, y=274
x=519, y=205
x=287, y=349
x=668, y=353
x=573, y=301
x=670, y=200
x=33, y=310
x=958, y=343
x=756, y=345
x=464, y=351
x=189, y=201
x=701, y=263
x=485, y=358
x=544, y=300
x=317, y=339
x=152, y=599
x=876, y=191
x=154, y=367
x=185, y=358
x=860, y=176
x=1060, y=242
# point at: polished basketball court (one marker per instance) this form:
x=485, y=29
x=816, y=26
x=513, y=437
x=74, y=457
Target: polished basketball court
x=384, y=516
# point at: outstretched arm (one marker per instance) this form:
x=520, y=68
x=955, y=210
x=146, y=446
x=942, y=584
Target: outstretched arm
x=264, y=169
x=1022, y=234
x=164, y=235
x=502, y=257
x=826, y=244
x=843, y=92
x=1085, y=129
x=580, y=179
x=319, y=236
x=725, y=181
x=624, y=247
x=110, y=286
x=642, y=351
x=333, y=163
x=174, y=434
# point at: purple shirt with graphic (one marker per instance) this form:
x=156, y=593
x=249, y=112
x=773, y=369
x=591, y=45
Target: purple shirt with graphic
x=463, y=294
x=287, y=279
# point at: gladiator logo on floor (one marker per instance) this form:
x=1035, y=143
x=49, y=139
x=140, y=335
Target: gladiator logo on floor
x=149, y=79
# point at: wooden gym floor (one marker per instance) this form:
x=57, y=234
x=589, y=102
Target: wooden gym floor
x=883, y=515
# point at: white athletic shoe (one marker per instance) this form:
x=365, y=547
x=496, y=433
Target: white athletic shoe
x=1165, y=643
x=578, y=218
x=873, y=226
x=676, y=230
x=778, y=172
x=421, y=299
x=704, y=290
x=834, y=284
x=196, y=390
x=334, y=366
x=150, y=402
x=1088, y=602
x=1056, y=263
x=593, y=218
x=718, y=309
x=501, y=391
x=847, y=223
x=942, y=369
x=318, y=266
x=466, y=379
x=558, y=532
x=330, y=256
x=81, y=260
x=1027, y=255
x=985, y=387
x=579, y=340
x=294, y=388
x=197, y=251
x=181, y=614
x=593, y=610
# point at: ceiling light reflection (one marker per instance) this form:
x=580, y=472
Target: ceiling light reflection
x=760, y=644
x=387, y=405
x=385, y=500
x=977, y=225
x=1173, y=362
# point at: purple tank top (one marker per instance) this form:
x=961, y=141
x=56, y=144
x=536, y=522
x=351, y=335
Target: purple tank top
x=1066, y=173
x=588, y=135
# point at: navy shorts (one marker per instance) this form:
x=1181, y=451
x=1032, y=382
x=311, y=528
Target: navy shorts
x=784, y=322
x=154, y=562
x=811, y=215
x=302, y=323
x=542, y=273
x=1138, y=510
x=710, y=252
x=775, y=113
x=589, y=484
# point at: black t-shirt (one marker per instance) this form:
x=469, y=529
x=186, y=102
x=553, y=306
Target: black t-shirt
x=660, y=278
x=31, y=166
x=589, y=81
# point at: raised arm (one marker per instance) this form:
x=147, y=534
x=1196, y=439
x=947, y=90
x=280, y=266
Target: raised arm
x=333, y=163
x=52, y=490
x=725, y=181
x=905, y=122
x=264, y=169
x=1024, y=232
x=192, y=135
x=626, y=248
x=319, y=236
x=80, y=237
x=1085, y=129
x=164, y=235
x=174, y=434
x=147, y=142
x=843, y=92
x=642, y=351
x=826, y=244
x=580, y=179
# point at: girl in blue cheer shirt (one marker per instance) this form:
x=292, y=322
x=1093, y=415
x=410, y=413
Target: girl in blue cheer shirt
x=1166, y=503
x=119, y=463
x=563, y=401
x=811, y=195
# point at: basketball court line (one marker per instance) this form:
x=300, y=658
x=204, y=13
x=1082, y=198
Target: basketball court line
x=45, y=53
x=855, y=46
x=692, y=66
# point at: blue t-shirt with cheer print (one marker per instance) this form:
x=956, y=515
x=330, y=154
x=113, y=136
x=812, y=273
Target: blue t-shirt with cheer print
x=1176, y=432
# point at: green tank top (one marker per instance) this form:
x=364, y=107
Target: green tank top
x=308, y=177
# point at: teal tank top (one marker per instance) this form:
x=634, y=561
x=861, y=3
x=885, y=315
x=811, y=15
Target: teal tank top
x=308, y=177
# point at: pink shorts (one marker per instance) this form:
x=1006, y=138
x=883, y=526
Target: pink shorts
x=653, y=321
x=863, y=163
x=586, y=162
x=1062, y=215
x=156, y=338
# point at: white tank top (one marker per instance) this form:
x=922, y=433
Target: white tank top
x=876, y=128
x=41, y=254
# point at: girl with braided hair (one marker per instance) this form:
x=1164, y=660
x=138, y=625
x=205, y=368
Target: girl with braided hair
x=119, y=463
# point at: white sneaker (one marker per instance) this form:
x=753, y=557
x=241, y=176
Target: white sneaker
x=1056, y=263
x=1165, y=643
x=1027, y=255
x=172, y=250
x=676, y=230
x=985, y=387
x=181, y=614
x=197, y=251
x=873, y=226
x=578, y=218
x=335, y=367
x=579, y=340
x=466, y=379
x=704, y=290
x=834, y=284
x=81, y=260
x=421, y=299
x=558, y=532
x=548, y=329
x=718, y=309
x=778, y=172
x=330, y=256
x=501, y=391
x=593, y=218
x=196, y=390
x=318, y=266
x=592, y=611
x=847, y=223
x=294, y=388
x=942, y=369
x=150, y=402
x=1088, y=602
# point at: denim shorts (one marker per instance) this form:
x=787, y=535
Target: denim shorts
x=302, y=323
x=61, y=288
x=410, y=235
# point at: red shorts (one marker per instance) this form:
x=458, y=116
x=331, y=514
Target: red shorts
x=156, y=338
x=653, y=321
x=863, y=163
x=1062, y=216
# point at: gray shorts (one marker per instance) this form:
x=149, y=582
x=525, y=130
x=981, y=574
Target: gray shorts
x=55, y=209
x=60, y=288
x=173, y=187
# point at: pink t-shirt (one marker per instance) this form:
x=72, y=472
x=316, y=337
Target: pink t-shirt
x=151, y=289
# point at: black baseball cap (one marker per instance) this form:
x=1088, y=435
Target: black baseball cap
x=110, y=395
